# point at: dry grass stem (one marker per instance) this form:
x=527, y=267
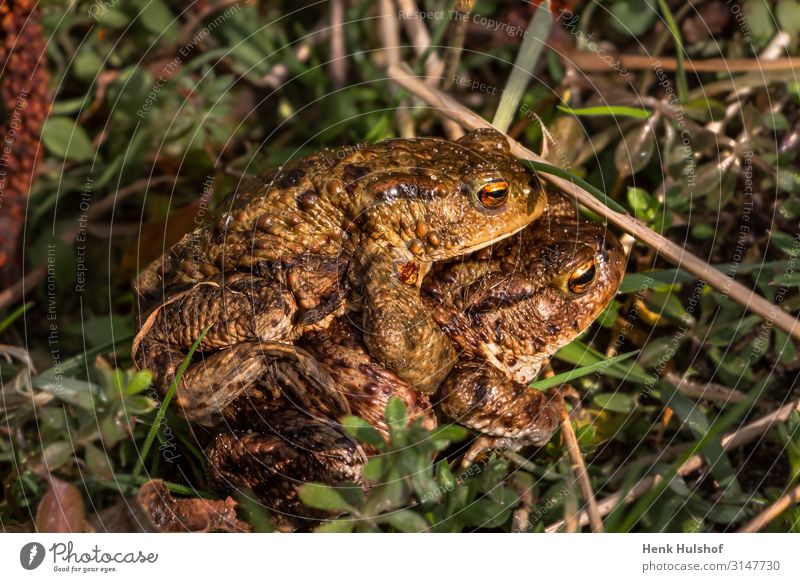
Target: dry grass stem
x=338, y=62
x=420, y=40
x=760, y=521
x=581, y=475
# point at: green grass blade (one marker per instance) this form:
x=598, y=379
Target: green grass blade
x=162, y=410
x=580, y=372
x=578, y=353
x=680, y=74
x=12, y=317
x=615, y=110
x=527, y=57
x=561, y=173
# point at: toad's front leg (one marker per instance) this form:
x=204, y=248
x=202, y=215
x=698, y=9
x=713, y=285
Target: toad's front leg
x=481, y=397
x=398, y=328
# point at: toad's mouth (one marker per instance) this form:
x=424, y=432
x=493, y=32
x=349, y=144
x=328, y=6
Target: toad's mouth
x=516, y=226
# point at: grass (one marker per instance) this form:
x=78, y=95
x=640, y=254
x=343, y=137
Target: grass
x=255, y=91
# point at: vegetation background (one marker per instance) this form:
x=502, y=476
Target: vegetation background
x=125, y=121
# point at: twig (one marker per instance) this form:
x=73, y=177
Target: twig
x=338, y=62
x=390, y=32
x=591, y=62
x=32, y=278
x=773, y=511
x=448, y=107
x=463, y=8
x=581, y=475
x=420, y=40
x=709, y=391
x=742, y=436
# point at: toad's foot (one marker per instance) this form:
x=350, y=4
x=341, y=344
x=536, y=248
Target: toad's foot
x=483, y=398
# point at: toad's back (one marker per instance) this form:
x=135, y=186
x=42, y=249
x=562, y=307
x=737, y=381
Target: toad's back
x=322, y=205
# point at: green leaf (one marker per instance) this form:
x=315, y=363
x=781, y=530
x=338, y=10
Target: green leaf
x=388, y=495
x=641, y=202
x=407, y=521
x=449, y=433
x=615, y=110
x=374, y=468
x=56, y=455
x=158, y=19
x=77, y=392
x=108, y=16
x=561, y=173
x=633, y=17
x=321, y=496
x=64, y=138
x=139, y=405
x=254, y=512
x=680, y=73
x=139, y=382
x=533, y=42
x=666, y=304
x=633, y=153
x=578, y=354
x=363, y=431
x=615, y=402
x=775, y=120
x=444, y=475
x=485, y=513
x=396, y=413
x=12, y=317
x=704, y=109
x=336, y=526
x=759, y=20
x=635, y=282
x=97, y=462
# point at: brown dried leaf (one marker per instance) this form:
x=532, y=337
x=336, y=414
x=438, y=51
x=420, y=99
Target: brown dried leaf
x=61, y=510
x=168, y=514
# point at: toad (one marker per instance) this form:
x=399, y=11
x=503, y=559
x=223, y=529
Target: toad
x=506, y=310
x=280, y=256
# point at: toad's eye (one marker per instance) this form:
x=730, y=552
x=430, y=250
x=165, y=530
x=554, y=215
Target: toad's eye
x=493, y=194
x=581, y=278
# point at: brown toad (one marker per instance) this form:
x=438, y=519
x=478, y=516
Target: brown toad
x=278, y=258
x=506, y=310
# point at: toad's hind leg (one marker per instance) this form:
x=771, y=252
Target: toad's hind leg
x=211, y=382
x=399, y=331
x=240, y=314
x=483, y=398
x=290, y=449
x=239, y=308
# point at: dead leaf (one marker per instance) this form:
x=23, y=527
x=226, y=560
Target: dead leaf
x=61, y=510
x=170, y=514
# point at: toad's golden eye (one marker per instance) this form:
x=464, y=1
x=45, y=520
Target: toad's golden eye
x=581, y=278
x=493, y=194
